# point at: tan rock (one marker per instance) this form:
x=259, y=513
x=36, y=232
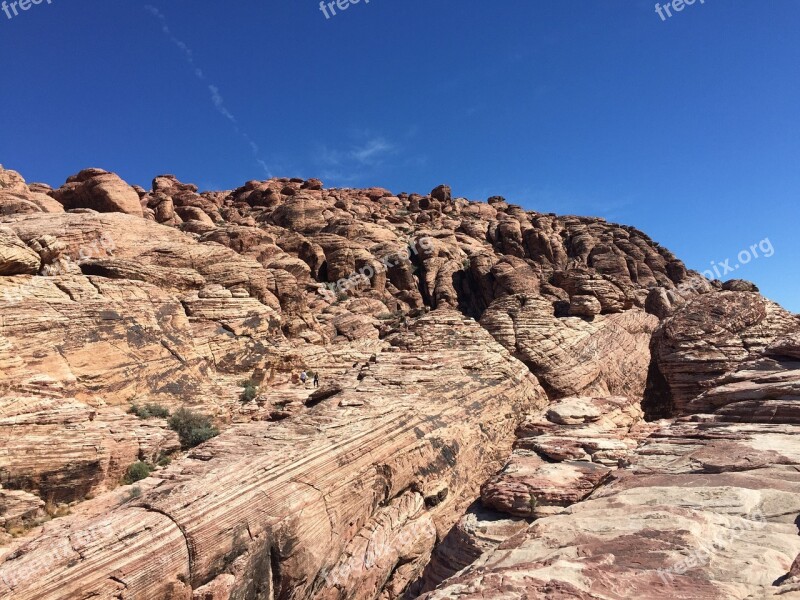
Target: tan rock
x=584, y=306
x=15, y=257
x=366, y=487
x=99, y=190
x=121, y=339
x=572, y=357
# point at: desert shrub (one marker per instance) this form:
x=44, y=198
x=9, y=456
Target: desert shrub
x=163, y=460
x=136, y=472
x=139, y=411
x=250, y=391
x=193, y=428
x=149, y=411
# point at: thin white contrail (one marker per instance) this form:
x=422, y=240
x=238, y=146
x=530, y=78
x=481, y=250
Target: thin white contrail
x=216, y=98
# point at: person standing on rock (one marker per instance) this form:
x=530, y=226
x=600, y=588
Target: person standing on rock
x=316, y=380
x=303, y=377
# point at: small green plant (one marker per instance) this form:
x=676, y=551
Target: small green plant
x=163, y=460
x=250, y=391
x=134, y=492
x=193, y=428
x=533, y=502
x=341, y=297
x=149, y=411
x=136, y=472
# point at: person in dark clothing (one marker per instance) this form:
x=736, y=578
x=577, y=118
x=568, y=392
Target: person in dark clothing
x=316, y=380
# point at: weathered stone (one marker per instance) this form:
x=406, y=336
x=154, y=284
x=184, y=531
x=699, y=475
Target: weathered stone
x=99, y=190
x=15, y=257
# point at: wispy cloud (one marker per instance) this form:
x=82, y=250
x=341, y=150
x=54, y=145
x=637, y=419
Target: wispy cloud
x=349, y=164
x=216, y=97
x=219, y=103
x=372, y=151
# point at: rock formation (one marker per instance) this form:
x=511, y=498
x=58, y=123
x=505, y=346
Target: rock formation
x=511, y=404
x=706, y=506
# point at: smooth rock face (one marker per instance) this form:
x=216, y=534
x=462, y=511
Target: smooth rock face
x=99, y=340
x=477, y=430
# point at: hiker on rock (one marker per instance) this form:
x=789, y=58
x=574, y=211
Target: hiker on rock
x=303, y=377
x=316, y=380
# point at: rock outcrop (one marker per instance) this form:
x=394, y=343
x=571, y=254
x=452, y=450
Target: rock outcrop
x=563, y=456
x=706, y=511
x=16, y=197
x=705, y=507
x=709, y=339
x=15, y=257
x=98, y=190
x=607, y=355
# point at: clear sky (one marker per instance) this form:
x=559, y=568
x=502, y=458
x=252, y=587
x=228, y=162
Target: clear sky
x=687, y=127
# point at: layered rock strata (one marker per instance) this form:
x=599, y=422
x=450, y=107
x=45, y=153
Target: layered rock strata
x=351, y=496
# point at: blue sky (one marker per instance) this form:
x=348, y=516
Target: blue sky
x=686, y=128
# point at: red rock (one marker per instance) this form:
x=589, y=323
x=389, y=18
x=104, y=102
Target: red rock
x=18, y=198
x=99, y=190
